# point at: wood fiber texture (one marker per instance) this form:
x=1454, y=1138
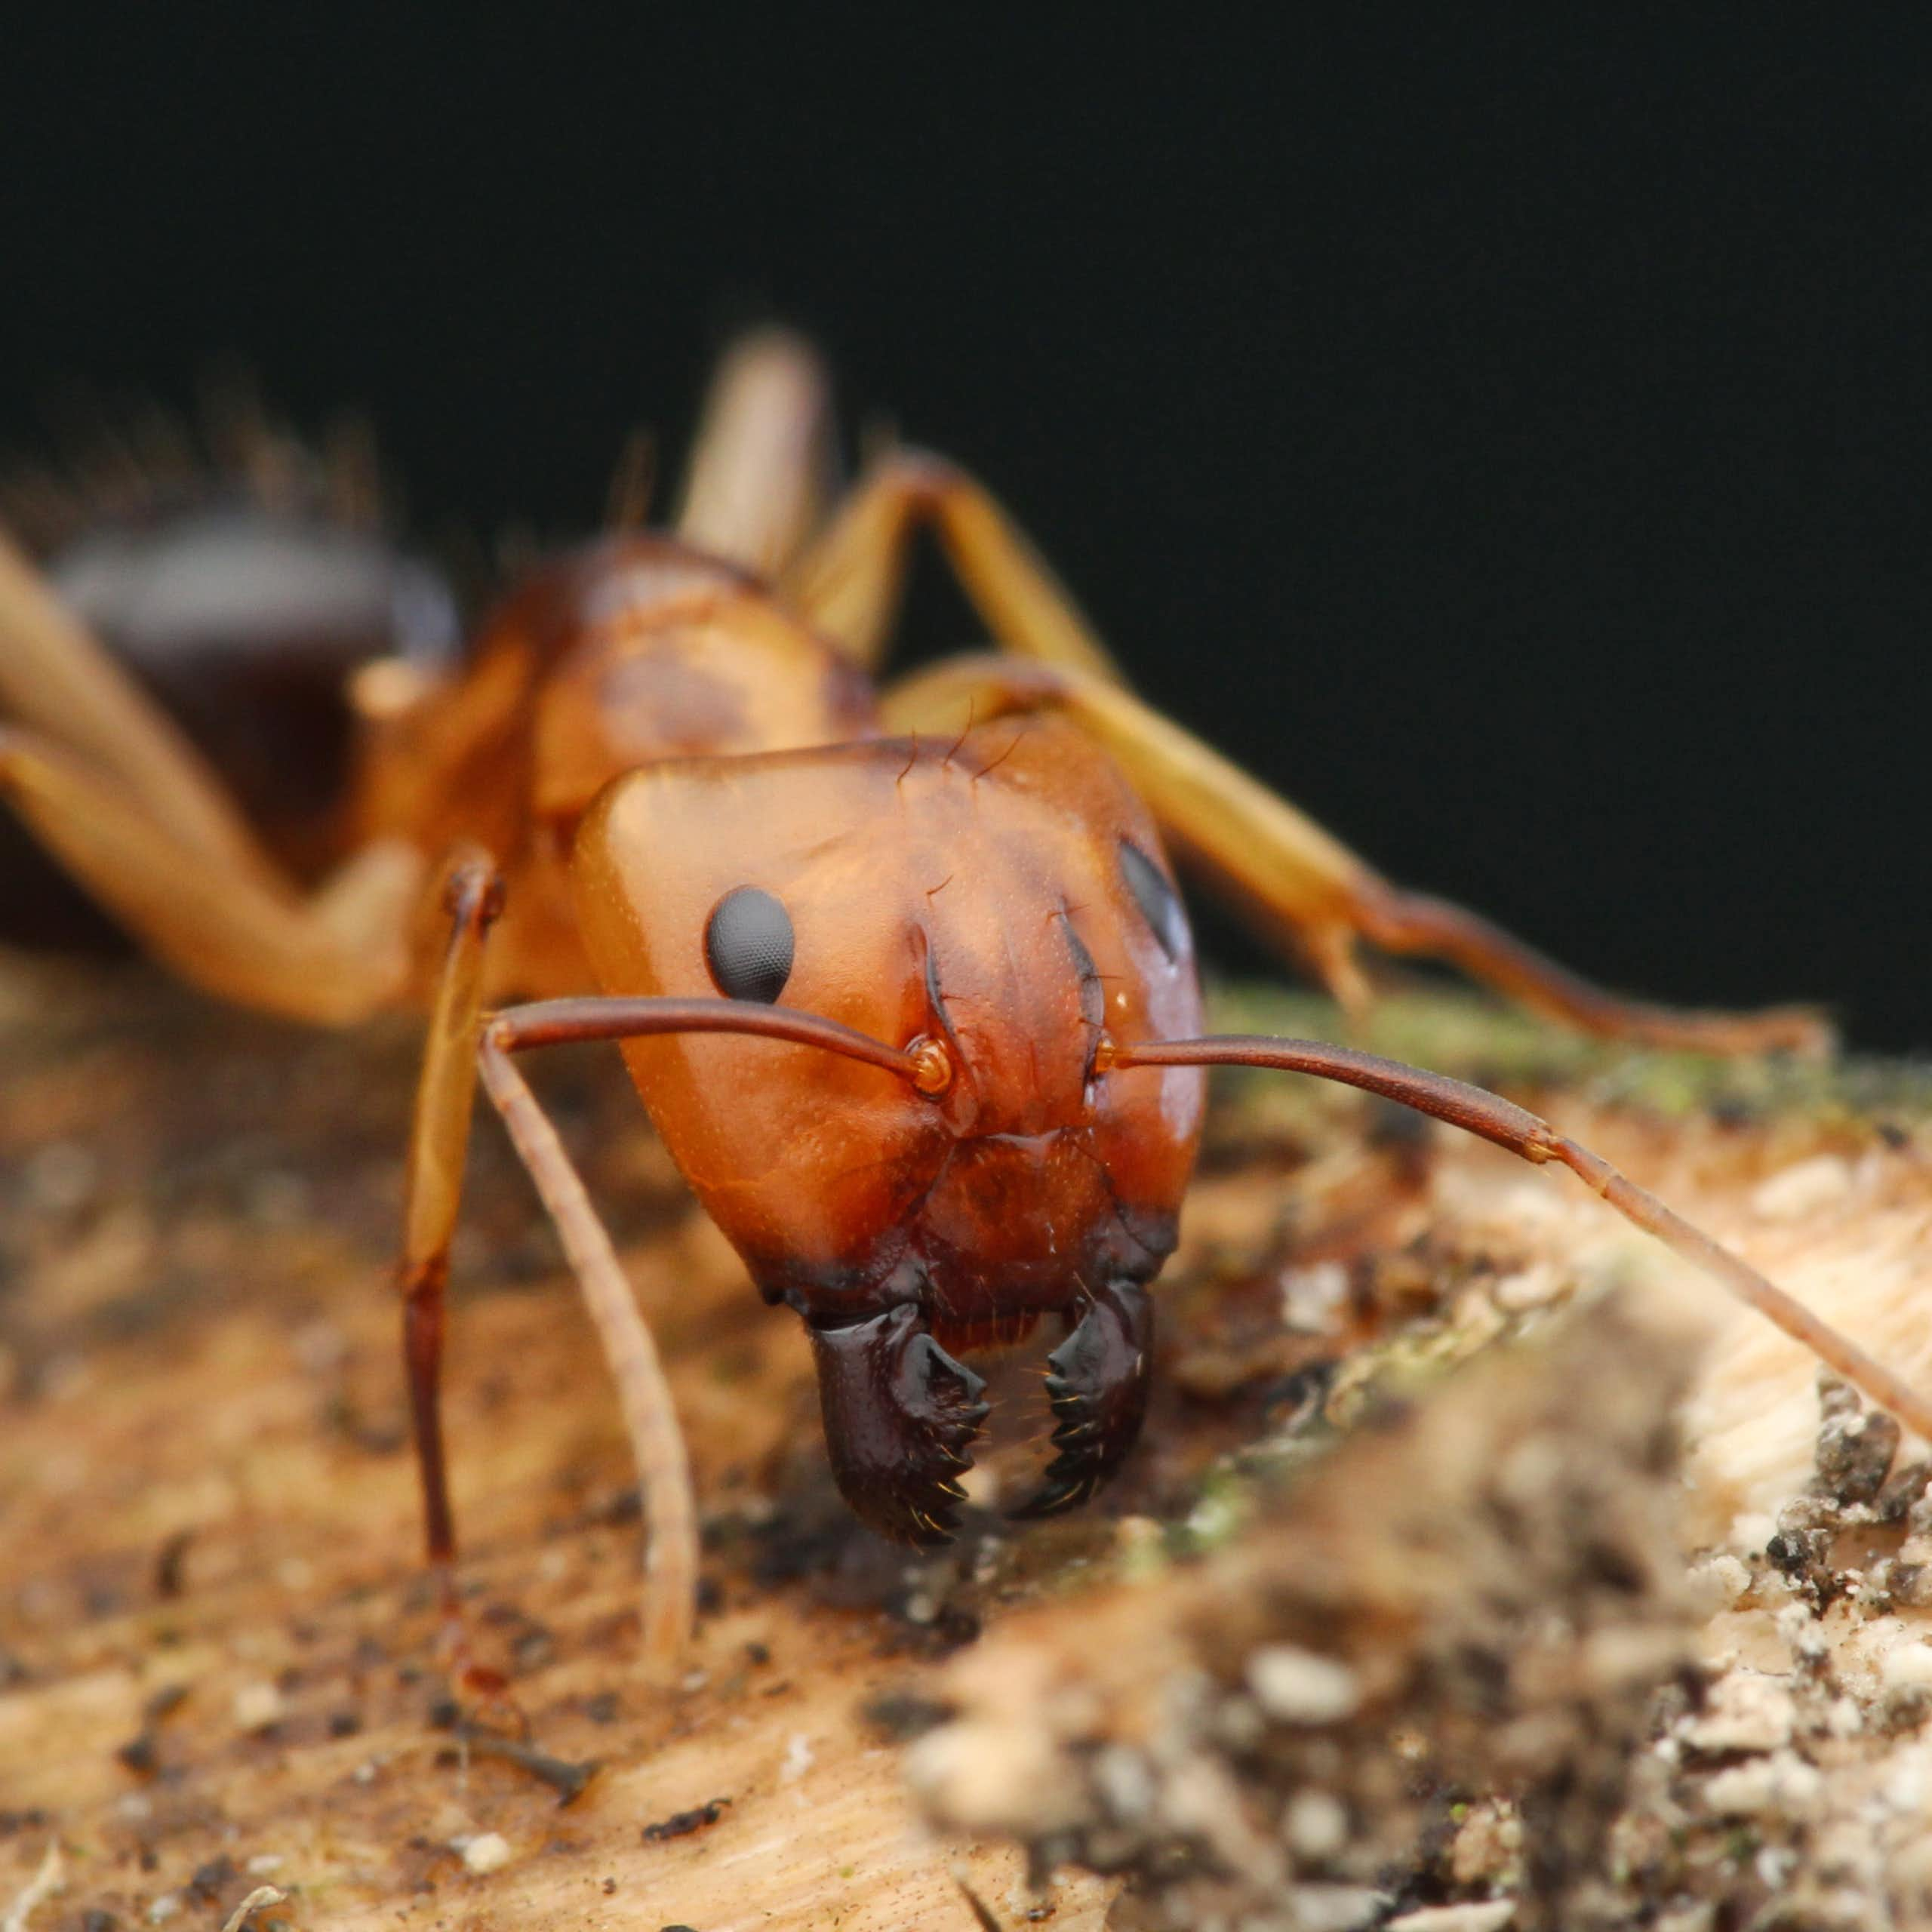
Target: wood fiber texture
x=216, y=1668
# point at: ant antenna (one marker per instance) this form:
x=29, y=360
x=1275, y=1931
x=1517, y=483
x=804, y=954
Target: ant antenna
x=1522, y=1133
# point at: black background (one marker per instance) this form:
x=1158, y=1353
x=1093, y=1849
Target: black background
x=1514, y=446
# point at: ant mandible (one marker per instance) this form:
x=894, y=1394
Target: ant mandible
x=665, y=771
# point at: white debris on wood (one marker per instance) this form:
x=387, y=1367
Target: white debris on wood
x=1297, y=1686
x=1794, y=1192
x=1781, y=1785
x=48, y=1879
x=488, y=1851
x=1747, y=1711
x=1312, y=1298
x=259, y=1705
x=799, y=1758
x=1484, y=1915
x=261, y=1897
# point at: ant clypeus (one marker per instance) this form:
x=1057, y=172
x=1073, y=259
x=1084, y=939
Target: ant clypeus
x=664, y=772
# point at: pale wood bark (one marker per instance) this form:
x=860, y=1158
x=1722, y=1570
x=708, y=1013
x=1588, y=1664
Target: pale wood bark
x=204, y=1480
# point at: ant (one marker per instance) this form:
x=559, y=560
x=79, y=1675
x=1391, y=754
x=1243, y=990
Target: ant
x=912, y=1001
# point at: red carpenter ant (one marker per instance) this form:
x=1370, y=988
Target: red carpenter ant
x=913, y=1006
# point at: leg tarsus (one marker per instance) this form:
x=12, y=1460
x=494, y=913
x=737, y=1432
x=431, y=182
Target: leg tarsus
x=484, y=1687
x=1096, y=1382
x=424, y=1321
x=1406, y=922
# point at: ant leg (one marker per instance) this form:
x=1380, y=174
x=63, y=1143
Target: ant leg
x=847, y=584
x=671, y=1564
x=438, y=1143
x=755, y=486
x=331, y=959
x=1297, y=882
x=56, y=679
x=1515, y=1129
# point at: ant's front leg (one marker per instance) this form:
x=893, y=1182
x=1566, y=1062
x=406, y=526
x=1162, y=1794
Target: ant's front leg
x=1096, y=1382
x=900, y=1415
x=439, y=1146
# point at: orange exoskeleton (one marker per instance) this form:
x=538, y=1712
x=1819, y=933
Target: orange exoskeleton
x=903, y=978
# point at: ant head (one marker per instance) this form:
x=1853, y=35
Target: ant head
x=1002, y=899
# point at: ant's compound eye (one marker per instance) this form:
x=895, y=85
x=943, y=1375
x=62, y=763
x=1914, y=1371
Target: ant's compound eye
x=748, y=944
x=1156, y=899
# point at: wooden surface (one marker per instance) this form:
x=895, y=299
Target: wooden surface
x=205, y=1490
x=202, y=1353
